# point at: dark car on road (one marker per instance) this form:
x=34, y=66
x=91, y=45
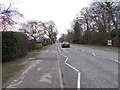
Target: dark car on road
x=65, y=44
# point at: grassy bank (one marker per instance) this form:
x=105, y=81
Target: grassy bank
x=41, y=49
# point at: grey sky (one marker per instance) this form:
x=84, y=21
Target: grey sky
x=62, y=12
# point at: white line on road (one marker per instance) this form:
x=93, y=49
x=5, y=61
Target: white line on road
x=78, y=80
x=116, y=61
x=59, y=50
x=79, y=74
x=18, y=81
x=109, y=59
x=93, y=54
x=82, y=50
x=102, y=57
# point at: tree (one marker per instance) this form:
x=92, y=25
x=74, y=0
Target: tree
x=7, y=15
x=50, y=31
x=97, y=23
x=76, y=37
x=69, y=35
x=39, y=30
x=33, y=29
x=112, y=9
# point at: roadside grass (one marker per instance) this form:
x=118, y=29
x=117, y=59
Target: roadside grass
x=8, y=71
x=9, y=68
x=0, y=73
x=41, y=49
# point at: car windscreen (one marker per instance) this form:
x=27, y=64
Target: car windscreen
x=65, y=42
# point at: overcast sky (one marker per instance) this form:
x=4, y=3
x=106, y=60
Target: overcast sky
x=62, y=12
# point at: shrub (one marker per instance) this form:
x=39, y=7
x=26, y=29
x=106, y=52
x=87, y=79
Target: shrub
x=38, y=46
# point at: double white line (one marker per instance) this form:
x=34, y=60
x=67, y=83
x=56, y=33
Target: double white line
x=78, y=75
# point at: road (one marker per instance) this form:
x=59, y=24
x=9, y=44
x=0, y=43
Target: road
x=42, y=72
x=97, y=68
x=74, y=67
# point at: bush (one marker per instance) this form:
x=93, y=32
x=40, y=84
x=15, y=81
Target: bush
x=31, y=45
x=38, y=46
x=14, y=44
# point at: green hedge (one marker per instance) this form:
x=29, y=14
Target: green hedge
x=14, y=44
x=38, y=46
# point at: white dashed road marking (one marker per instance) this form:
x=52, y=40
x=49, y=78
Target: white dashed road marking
x=101, y=56
x=93, y=54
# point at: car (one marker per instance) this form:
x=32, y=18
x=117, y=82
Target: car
x=65, y=44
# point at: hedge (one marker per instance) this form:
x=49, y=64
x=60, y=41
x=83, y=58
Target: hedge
x=14, y=44
x=38, y=46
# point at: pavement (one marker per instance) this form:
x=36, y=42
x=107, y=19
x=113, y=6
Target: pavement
x=43, y=72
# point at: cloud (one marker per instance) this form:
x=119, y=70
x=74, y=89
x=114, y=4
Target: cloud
x=62, y=12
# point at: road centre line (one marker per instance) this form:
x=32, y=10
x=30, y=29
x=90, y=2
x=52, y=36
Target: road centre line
x=59, y=50
x=79, y=74
x=117, y=61
x=93, y=54
x=104, y=57
x=109, y=59
x=100, y=56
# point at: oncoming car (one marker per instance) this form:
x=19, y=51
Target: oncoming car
x=65, y=44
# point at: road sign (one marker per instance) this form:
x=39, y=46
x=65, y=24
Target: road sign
x=109, y=42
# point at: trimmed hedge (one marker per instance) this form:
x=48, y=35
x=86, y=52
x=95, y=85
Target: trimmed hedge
x=14, y=44
x=38, y=46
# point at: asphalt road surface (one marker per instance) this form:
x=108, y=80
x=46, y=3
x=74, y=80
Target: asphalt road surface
x=74, y=67
x=98, y=67
x=43, y=72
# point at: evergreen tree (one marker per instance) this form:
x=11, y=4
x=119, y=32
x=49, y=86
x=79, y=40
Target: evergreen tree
x=76, y=37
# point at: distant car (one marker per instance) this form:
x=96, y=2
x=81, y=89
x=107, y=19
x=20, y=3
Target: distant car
x=65, y=44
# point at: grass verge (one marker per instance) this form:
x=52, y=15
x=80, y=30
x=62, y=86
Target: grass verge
x=43, y=48
x=7, y=71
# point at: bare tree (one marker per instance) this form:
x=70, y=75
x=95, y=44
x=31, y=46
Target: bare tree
x=40, y=30
x=100, y=22
x=111, y=8
x=7, y=15
x=50, y=31
x=33, y=29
